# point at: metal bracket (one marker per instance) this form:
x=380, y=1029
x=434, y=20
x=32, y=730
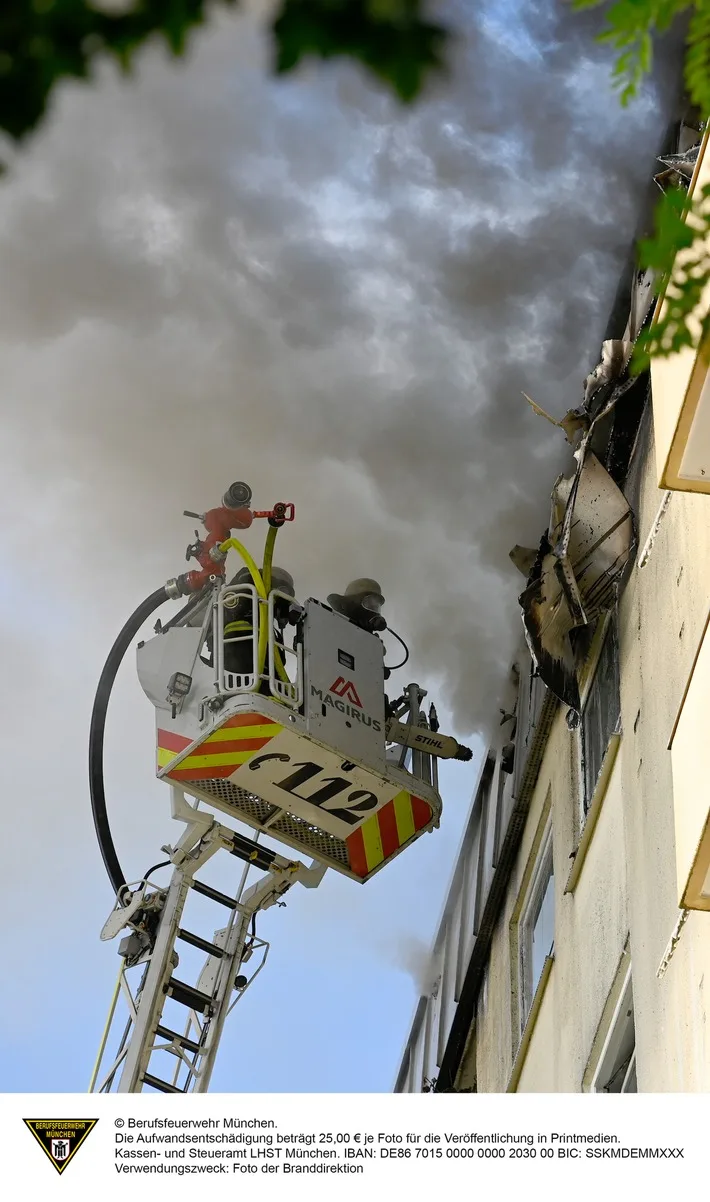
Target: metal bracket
x=121, y=915
x=199, y=822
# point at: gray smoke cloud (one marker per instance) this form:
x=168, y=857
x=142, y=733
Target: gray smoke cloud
x=210, y=274
x=409, y=954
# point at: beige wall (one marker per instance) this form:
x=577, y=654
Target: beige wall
x=691, y=786
x=627, y=887
x=678, y=381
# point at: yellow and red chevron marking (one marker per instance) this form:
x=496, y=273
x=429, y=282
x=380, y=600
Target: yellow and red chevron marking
x=389, y=829
x=221, y=753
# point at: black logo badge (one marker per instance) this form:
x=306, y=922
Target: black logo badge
x=60, y=1138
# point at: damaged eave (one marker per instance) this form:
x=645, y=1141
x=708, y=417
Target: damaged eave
x=576, y=573
x=582, y=559
x=576, y=577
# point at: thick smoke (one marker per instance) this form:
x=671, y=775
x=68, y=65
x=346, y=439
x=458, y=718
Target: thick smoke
x=209, y=274
x=408, y=954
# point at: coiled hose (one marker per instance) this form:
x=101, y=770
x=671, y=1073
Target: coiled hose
x=98, y=726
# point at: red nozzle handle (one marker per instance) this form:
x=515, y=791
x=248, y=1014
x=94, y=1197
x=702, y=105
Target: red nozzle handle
x=283, y=511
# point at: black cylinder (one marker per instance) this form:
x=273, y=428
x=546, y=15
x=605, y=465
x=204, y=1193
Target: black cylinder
x=237, y=495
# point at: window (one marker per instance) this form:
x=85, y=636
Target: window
x=601, y=713
x=485, y=858
x=532, y=695
x=503, y=779
x=616, y=1072
x=537, y=927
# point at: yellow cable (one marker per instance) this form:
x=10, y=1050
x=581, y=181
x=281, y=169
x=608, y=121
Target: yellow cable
x=104, y=1037
x=280, y=666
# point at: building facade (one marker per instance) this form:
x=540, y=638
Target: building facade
x=573, y=953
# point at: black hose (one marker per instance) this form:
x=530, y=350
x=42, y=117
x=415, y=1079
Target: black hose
x=406, y=649
x=98, y=725
x=162, y=864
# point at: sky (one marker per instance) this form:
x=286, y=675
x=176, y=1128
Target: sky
x=209, y=274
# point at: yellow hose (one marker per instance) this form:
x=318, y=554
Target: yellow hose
x=266, y=576
x=234, y=544
x=262, y=584
x=269, y=557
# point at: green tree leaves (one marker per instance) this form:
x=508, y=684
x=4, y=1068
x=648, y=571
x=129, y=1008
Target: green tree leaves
x=678, y=252
x=387, y=36
x=679, y=249
x=43, y=41
x=697, y=60
x=630, y=29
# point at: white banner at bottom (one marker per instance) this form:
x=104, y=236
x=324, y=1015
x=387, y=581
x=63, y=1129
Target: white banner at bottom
x=151, y=1146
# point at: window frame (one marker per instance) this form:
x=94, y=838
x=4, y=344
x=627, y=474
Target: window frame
x=607, y=630
x=542, y=874
x=609, y=1064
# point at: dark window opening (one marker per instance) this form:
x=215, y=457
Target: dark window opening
x=617, y=1070
x=600, y=713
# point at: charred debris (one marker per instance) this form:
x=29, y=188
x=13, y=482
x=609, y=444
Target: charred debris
x=576, y=574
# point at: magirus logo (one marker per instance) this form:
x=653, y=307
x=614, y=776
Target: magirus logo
x=346, y=689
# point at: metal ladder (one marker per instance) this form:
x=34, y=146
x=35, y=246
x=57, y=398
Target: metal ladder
x=153, y=918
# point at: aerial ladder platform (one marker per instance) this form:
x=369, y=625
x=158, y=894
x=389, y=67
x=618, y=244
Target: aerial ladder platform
x=296, y=743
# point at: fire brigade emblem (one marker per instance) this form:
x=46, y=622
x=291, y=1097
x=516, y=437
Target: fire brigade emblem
x=60, y=1139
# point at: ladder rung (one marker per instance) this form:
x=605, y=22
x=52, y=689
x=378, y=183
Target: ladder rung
x=214, y=895
x=252, y=852
x=203, y=944
x=188, y=996
x=163, y=1086
x=188, y=1044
